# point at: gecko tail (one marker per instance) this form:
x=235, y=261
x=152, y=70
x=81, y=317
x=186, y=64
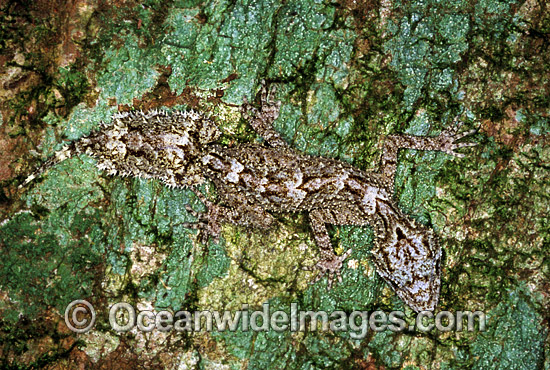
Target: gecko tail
x=68, y=151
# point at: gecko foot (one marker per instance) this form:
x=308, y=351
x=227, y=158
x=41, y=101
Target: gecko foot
x=447, y=140
x=331, y=267
x=208, y=223
x=268, y=110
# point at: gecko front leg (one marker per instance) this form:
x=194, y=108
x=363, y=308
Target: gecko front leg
x=445, y=142
x=329, y=264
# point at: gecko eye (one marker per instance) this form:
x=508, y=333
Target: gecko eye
x=400, y=235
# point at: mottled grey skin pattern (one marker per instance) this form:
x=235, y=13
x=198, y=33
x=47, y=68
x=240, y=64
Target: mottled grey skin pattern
x=253, y=180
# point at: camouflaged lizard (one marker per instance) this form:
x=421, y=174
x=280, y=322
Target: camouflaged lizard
x=252, y=180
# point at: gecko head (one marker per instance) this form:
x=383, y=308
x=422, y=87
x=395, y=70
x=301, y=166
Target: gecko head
x=408, y=258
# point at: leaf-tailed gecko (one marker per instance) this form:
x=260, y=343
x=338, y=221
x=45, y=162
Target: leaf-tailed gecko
x=252, y=180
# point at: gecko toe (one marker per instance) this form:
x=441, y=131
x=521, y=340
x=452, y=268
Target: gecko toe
x=466, y=145
x=331, y=268
x=329, y=281
x=458, y=155
x=344, y=256
x=191, y=211
x=467, y=133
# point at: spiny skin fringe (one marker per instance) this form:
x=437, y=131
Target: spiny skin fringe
x=119, y=120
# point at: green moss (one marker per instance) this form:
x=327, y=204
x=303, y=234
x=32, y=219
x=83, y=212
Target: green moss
x=424, y=47
x=44, y=266
x=514, y=338
x=130, y=70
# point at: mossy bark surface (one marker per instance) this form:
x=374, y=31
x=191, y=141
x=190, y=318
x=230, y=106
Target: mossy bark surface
x=347, y=74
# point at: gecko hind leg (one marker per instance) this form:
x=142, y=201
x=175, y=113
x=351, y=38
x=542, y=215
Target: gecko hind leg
x=208, y=223
x=261, y=119
x=243, y=214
